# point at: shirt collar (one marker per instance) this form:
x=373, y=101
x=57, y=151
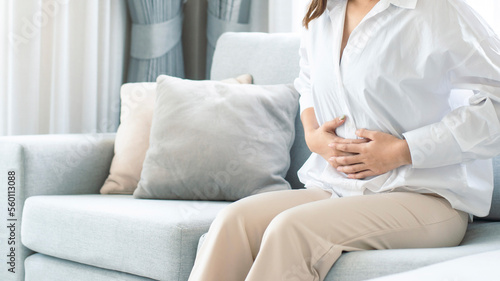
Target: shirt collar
x=406, y=4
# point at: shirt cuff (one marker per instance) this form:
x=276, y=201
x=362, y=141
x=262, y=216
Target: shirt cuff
x=433, y=146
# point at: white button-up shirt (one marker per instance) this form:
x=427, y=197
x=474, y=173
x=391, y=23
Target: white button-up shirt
x=395, y=76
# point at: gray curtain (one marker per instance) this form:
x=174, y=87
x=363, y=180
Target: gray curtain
x=156, y=46
x=224, y=16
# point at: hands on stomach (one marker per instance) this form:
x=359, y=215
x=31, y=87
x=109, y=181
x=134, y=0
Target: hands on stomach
x=375, y=154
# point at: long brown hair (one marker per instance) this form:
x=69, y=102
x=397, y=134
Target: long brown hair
x=316, y=9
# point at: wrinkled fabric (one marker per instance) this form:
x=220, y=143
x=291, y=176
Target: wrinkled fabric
x=395, y=76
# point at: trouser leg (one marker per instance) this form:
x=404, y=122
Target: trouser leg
x=234, y=238
x=302, y=243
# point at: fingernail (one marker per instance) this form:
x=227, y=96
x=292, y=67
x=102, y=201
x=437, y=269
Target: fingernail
x=342, y=118
x=331, y=159
x=331, y=145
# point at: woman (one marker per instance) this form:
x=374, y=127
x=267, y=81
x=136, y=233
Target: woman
x=392, y=165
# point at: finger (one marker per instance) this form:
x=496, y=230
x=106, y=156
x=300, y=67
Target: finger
x=349, y=141
x=333, y=161
x=337, y=153
x=367, y=134
x=335, y=123
x=352, y=169
x=351, y=148
x=349, y=160
x=361, y=175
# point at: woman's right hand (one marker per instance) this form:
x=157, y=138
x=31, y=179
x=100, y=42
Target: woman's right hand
x=319, y=139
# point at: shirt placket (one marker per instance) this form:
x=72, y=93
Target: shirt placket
x=357, y=41
x=337, y=17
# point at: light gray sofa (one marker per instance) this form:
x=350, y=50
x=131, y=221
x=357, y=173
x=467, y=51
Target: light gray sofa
x=71, y=232
x=482, y=267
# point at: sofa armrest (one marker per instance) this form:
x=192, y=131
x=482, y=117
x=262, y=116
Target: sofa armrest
x=45, y=165
x=57, y=164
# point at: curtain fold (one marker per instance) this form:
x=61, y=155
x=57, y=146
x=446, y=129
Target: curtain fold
x=61, y=65
x=156, y=46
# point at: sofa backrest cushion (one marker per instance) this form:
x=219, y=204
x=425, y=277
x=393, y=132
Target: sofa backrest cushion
x=270, y=59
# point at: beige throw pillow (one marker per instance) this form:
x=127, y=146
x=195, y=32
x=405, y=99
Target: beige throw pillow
x=132, y=137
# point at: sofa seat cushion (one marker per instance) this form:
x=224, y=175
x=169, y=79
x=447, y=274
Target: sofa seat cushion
x=363, y=265
x=482, y=266
x=156, y=239
x=40, y=267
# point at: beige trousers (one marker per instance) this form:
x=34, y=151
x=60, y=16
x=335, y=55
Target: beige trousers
x=299, y=234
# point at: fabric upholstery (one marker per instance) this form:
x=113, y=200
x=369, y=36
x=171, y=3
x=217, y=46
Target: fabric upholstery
x=50, y=164
x=156, y=239
x=484, y=265
x=132, y=137
x=270, y=58
x=362, y=265
x=60, y=164
x=237, y=142
x=41, y=267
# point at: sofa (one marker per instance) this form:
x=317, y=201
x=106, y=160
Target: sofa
x=64, y=229
x=482, y=266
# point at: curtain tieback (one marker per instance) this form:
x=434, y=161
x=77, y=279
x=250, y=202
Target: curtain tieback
x=216, y=26
x=151, y=41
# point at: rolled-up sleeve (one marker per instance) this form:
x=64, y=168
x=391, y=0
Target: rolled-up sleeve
x=303, y=82
x=469, y=132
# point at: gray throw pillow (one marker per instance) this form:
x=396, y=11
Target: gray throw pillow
x=216, y=141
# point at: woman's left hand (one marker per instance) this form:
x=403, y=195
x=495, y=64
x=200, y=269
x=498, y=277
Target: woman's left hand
x=381, y=154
